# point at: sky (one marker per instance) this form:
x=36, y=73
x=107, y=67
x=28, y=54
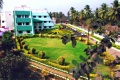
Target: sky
x=54, y=5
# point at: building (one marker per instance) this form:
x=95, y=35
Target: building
x=28, y=21
x=7, y=20
x=2, y=30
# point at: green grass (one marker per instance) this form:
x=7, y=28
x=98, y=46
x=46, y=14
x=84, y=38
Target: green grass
x=54, y=49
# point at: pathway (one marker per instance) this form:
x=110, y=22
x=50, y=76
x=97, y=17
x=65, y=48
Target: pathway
x=52, y=71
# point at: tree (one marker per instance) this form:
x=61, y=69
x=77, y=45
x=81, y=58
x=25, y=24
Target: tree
x=7, y=41
x=14, y=67
x=114, y=13
x=103, y=13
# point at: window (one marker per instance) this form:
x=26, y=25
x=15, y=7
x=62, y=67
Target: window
x=44, y=26
x=50, y=26
x=18, y=16
x=39, y=26
x=27, y=23
x=49, y=21
x=45, y=16
x=39, y=16
x=28, y=31
x=26, y=16
x=45, y=21
x=19, y=23
x=3, y=21
x=20, y=32
x=34, y=16
x=3, y=26
x=39, y=22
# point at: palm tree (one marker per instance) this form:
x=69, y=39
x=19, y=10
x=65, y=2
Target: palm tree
x=114, y=13
x=88, y=16
x=82, y=16
x=102, y=13
x=72, y=15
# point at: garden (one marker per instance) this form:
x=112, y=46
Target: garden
x=49, y=48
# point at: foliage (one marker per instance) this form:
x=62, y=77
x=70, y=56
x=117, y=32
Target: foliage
x=15, y=67
x=32, y=50
x=41, y=54
x=7, y=41
x=25, y=46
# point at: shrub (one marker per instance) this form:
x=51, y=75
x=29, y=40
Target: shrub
x=93, y=75
x=41, y=54
x=22, y=43
x=32, y=50
x=61, y=60
x=21, y=39
x=36, y=35
x=25, y=46
x=106, y=62
x=40, y=35
x=78, y=38
x=59, y=66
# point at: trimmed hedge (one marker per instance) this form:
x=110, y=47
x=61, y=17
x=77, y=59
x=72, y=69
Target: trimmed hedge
x=59, y=66
x=32, y=50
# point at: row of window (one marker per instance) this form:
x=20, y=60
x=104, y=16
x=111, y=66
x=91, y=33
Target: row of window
x=20, y=24
x=27, y=16
x=41, y=22
x=39, y=16
x=20, y=32
x=44, y=27
x=22, y=16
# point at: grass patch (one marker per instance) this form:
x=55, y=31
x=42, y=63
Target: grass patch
x=54, y=49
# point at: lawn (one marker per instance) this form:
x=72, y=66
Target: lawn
x=54, y=49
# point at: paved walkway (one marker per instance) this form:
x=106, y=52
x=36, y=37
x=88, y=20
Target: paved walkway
x=52, y=71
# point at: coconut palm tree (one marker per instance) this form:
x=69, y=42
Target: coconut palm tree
x=88, y=16
x=114, y=13
x=82, y=16
x=102, y=13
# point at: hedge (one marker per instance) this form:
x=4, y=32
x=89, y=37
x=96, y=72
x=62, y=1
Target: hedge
x=59, y=66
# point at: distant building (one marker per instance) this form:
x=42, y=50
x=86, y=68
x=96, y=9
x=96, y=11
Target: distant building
x=2, y=30
x=28, y=21
x=7, y=20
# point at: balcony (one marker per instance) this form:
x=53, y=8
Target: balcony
x=23, y=20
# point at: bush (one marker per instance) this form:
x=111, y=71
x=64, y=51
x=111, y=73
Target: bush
x=59, y=66
x=36, y=35
x=32, y=50
x=22, y=43
x=25, y=46
x=41, y=54
x=61, y=60
x=106, y=62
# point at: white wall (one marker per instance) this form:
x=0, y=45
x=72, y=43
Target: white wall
x=7, y=17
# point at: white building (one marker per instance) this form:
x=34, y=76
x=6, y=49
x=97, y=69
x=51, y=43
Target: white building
x=7, y=20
